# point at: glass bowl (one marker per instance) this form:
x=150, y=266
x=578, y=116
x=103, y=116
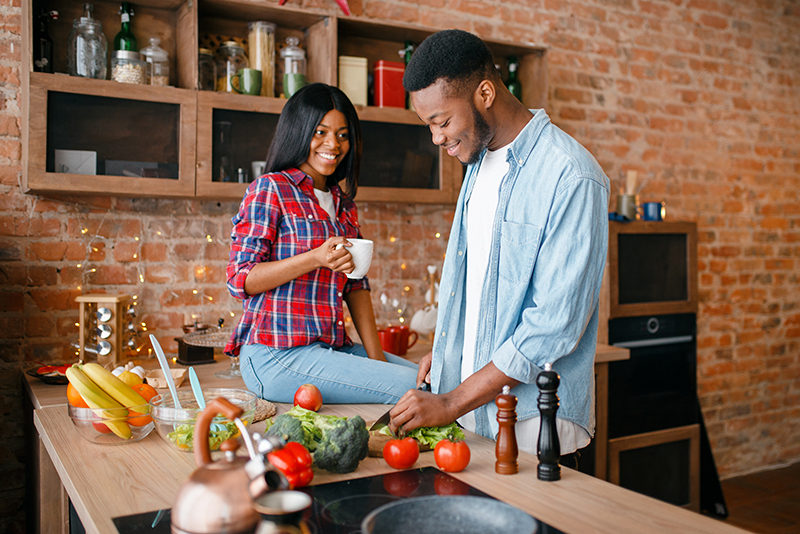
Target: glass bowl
x=115, y=426
x=176, y=427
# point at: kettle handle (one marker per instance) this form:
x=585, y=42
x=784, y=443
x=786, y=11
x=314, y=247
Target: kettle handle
x=219, y=406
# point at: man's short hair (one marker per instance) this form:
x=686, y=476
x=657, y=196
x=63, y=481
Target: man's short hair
x=459, y=57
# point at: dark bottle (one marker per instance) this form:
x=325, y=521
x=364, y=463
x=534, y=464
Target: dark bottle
x=42, y=43
x=125, y=40
x=513, y=84
x=405, y=53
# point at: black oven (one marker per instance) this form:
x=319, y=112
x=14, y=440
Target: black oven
x=656, y=388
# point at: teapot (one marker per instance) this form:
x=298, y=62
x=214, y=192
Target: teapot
x=218, y=496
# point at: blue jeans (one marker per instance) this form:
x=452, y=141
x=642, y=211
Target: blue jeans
x=344, y=376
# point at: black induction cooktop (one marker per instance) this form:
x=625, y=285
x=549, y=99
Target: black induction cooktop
x=339, y=507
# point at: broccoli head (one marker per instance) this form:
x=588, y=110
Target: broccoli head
x=344, y=444
x=287, y=428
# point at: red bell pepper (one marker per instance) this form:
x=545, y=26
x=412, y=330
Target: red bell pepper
x=294, y=461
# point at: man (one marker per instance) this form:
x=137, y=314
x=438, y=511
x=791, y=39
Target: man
x=525, y=258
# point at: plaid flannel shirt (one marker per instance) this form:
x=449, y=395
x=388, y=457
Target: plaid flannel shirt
x=280, y=217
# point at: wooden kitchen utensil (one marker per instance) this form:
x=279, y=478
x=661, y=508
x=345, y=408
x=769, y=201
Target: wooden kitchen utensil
x=549, y=448
x=506, y=447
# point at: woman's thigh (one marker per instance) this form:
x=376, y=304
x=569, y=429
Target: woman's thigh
x=343, y=376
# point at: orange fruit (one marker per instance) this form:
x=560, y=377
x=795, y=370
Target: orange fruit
x=145, y=390
x=148, y=392
x=74, y=398
x=139, y=420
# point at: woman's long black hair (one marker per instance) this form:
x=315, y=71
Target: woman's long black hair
x=299, y=119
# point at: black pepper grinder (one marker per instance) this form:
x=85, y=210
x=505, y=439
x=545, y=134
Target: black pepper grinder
x=549, y=448
x=506, y=448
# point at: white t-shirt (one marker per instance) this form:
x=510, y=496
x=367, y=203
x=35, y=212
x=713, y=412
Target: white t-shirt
x=326, y=201
x=481, y=209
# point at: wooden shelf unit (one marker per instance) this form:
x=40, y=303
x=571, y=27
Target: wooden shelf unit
x=181, y=25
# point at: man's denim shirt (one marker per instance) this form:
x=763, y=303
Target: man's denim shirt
x=539, y=303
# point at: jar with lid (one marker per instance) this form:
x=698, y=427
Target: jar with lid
x=206, y=70
x=157, y=63
x=294, y=66
x=230, y=58
x=128, y=67
x=261, y=53
x=87, y=46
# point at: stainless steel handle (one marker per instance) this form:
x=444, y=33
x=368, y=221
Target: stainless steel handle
x=653, y=342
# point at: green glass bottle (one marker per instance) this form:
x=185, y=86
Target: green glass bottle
x=125, y=40
x=405, y=53
x=513, y=84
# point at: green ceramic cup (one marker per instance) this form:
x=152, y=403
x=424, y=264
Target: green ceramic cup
x=249, y=82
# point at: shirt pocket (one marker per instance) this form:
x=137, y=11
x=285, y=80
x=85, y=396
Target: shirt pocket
x=310, y=231
x=351, y=228
x=519, y=246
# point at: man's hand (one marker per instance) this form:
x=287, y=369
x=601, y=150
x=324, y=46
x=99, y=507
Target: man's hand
x=424, y=373
x=419, y=408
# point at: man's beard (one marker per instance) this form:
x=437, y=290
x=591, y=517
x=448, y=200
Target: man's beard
x=482, y=134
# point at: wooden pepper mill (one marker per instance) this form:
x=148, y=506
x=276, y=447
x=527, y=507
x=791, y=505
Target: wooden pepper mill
x=506, y=448
x=549, y=448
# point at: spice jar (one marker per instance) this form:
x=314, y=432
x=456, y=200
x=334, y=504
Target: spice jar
x=206, y=70
x=261, y=53
x=157, y=63
x=230, y=58
x=128, y=67
x=294, y=66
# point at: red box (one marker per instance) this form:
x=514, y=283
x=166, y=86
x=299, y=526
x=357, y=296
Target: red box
x=389, y=92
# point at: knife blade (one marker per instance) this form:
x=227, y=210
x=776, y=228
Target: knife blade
x=385, y=418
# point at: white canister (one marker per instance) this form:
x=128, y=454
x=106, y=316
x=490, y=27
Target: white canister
x=353, y=78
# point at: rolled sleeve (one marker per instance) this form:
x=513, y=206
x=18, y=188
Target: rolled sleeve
x=565, y=283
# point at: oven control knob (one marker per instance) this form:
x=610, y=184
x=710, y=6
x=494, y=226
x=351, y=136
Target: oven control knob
x=652, y=325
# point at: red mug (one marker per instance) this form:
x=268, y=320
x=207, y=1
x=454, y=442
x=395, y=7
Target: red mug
x=404, y=341
x=390, y=340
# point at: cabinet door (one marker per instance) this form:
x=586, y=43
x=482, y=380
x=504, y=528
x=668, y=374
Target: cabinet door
x=99, y=136
x=233, y=132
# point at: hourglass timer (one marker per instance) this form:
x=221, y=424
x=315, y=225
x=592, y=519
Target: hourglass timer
x=101, y=328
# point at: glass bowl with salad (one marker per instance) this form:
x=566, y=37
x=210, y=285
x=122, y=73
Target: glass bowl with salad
x=176, y=426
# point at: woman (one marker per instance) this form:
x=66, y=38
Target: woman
x=286, y=267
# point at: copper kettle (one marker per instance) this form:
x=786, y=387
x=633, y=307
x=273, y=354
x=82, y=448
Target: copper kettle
x=217, y=497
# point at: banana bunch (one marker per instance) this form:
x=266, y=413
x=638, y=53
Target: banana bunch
x=103, y=391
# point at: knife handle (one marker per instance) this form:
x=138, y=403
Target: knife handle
x=424, y=386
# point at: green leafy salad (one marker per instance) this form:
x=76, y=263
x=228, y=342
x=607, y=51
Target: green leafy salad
x=430, y=435
x=183, y=435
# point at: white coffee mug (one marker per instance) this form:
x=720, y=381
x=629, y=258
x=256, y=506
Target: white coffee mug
x=362, y=256
x=258, y=168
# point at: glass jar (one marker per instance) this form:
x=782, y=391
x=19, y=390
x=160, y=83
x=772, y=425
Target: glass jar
x=294, y=66
x=230, y=58
x=157, y=63
x=206, y=70
x=87, y=46
x=128, y=67
x=261, y=53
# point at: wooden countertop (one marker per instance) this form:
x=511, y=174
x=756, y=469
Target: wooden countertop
x=109, y=481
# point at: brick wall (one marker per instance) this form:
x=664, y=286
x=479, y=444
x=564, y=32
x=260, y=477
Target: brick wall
x=699, y=96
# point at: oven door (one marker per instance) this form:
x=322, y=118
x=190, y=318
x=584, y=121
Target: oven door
x=656, y=389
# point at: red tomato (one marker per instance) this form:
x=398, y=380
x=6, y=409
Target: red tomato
x=451, y=456
x=401, y=483
x=446, y=485
x=401, y=453
x=308, y=396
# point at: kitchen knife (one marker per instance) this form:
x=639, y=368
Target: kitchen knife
x=385, y=418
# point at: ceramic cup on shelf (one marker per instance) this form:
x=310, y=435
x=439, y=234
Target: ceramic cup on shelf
x=653, y=211
x=362, y=256
x=249, y=82
x=258, y=169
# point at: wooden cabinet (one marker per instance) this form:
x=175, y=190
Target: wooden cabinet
x=176, y=136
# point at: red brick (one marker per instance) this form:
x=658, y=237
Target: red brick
x=713, y=21
x=47, y=251
x=48, y=300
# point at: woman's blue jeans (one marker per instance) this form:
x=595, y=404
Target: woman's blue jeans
x=344, y=376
